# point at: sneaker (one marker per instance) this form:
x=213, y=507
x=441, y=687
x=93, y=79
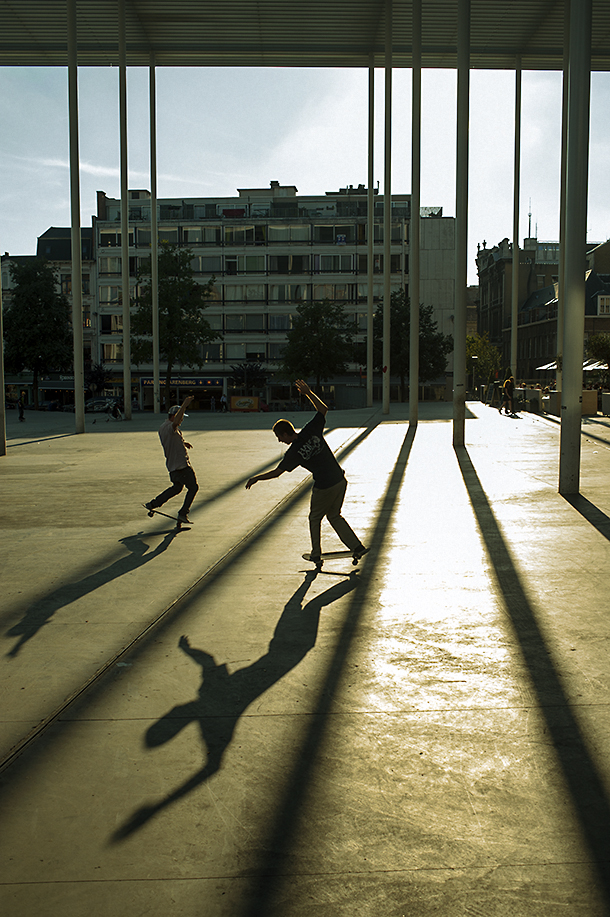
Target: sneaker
x=184, y=519
x=150, y=506
x=360, y=552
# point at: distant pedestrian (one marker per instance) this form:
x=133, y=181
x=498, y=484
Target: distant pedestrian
x=213, y=404
x=20, y=409
x=223, y=403
x=509, y=388
x=177, y=461
x=507, y=396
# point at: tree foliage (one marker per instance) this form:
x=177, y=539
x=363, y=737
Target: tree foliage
x=320, y=343
x=183, y=329
x=433, y=344
x=37, y=323
x=489, y=358
x=598, y=347
x=249, y=375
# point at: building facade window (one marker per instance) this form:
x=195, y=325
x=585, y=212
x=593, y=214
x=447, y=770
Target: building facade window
x=235, y=352
x=280, y=322
x=603, y=305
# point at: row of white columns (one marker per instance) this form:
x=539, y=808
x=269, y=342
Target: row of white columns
x=573, y=225
x=79, y=383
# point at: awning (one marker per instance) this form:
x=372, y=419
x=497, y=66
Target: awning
x=587, y=366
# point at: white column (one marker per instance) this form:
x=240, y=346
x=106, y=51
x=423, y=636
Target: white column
x=154, y=241
x=461, y=223
x=370, y=229
x=387, y=209
x=414, y=236
x=124, y=214
x=77, y=271
x=577, y=170
x=562, y=200
x=514, y=324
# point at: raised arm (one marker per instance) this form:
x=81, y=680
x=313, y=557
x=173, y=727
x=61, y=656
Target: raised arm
x=179, y=415
x=304, y=389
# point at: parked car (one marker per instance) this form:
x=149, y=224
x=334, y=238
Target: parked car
x=49, y=405
x=99, y=405
x=68, y=408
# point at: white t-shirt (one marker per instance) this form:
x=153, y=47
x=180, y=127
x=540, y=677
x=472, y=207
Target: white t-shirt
x=176, y=455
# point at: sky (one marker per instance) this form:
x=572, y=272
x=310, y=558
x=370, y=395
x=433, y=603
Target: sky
x=220, y=129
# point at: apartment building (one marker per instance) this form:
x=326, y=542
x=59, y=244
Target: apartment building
x=268, y=250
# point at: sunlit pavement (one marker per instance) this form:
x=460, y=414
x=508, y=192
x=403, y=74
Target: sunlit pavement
x=424, y=734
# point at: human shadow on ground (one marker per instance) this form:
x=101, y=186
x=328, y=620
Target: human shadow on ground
x=582, y=778
x=40, y=612
x=591, y=513
x=223, y=697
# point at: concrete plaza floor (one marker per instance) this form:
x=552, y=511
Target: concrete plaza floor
x=197, y=724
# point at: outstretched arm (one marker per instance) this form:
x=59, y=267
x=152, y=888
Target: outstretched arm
x=267, y=476
x=317, y=402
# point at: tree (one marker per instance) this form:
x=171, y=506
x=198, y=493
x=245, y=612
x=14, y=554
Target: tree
x=488, y=356
x=320, y=344
x=37, y=323
x=249, y=375
x=598, y=347
x=433, y=344
x=183, y=330
x=97, y=379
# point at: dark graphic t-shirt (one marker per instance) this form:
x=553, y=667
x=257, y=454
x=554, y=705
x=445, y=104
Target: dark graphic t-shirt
x=311, y=450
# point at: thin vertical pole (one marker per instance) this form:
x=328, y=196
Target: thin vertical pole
x=370, y=230
x=514, y=324
x=577, y=173
x=387, y=208
x=414, y=240
x=124, y=215
x=461, y=223
x=562, y=200
x=154, y=240
x=77, y=280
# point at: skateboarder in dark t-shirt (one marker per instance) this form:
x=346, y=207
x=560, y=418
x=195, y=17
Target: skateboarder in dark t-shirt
x=309, y=449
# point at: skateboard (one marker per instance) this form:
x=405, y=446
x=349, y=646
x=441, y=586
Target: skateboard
x=331, y=555
x=179, y=524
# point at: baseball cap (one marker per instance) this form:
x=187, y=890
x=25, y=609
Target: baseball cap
x=174, y=410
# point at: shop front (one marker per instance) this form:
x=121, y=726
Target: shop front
x=207, y=391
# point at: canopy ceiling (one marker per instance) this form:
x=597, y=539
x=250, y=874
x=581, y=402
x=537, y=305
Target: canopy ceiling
x=292, y=33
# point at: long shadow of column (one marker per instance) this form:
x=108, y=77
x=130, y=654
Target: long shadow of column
x=223, y=698
x=38, y=614
x=591, y=513
x=585, y=784
x=279, y=841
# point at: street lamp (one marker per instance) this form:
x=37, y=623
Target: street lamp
x=474, y=358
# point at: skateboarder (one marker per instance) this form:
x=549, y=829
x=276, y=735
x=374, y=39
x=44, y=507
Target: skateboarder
x=309, y=449
x=177, y=461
